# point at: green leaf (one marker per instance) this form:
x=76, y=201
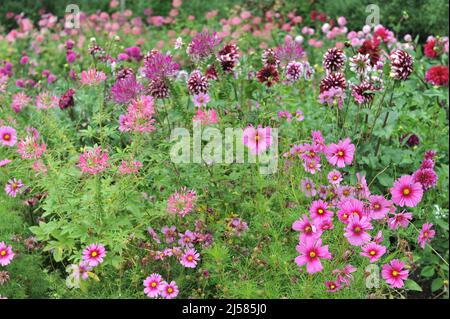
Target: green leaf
x=427, y=271
x=437, y=284
x=412, y=285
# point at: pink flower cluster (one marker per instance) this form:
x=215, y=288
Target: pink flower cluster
x=139, y=116
x=155, y=286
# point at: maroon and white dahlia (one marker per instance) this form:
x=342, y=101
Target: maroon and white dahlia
x=269, y=57
x=268, y=75
x=333, y=60
x=197, y=83
x=158, y=89
x=363, y=92
x=333, y=80
x=401, y=64
x=228, y=57
x=294, y=71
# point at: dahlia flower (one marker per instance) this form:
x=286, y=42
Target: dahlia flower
x=197, y=83
x=437, y=75
x=401, y=64
x=334, y=60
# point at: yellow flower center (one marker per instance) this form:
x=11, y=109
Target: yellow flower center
x=308, y=186
x=14, y=186
x=357, y=229
x=345, y=216
x=320, y=211
x=335, y=177
x=332, y=286
x=153, y=284
x=3, y=253
x=94, y=254
x=340, y=153
x=308, y=229
x=425, y=234
x=6, y=137
x=312, y=154
x=170, y=290
x=372, y=252
x=190, y=258
x=376, y=206
x=312, y=254
x=395, y=273
x=406, y=191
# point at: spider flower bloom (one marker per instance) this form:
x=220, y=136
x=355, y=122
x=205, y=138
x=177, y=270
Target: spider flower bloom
x=340, y=154
x=356, y=230
x=426, y=234
x=401, y=219
x=203, y=45
x=5, y=162
x=13, y=187
x=94, y=254
x=311, y=251
x=152, y=285
x=158, y=66
x=19, y=101
x=93, y=161
x=394, y=273
x=334, y=60
x=257, y=139
x=92, y=77
x=406, y=192
x=401, y=64
x=379, y=206
x=319, y=210
x=129, y=167
x=139, y=116
x=190, y=258
x=6, y=254
x=201, y=99
x=181, y=202
x=206, y=117
x=290, y=51
x=437, y=75
x=169, y=290
x=425, y=176
x=306, y=228
x=334, y=177
x=8, y=136
x=29, y=147
x=46, y=101
x=373, y=251
x=125, y=89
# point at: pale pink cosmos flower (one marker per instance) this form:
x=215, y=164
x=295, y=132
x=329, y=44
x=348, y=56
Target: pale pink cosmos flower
x=324, y=224
x=334, y=177
x=306, y=228
x=426, y=234
x=93, y=161
x=340, y=154
x=8, y=136
x=201, y=99
x=181, y=202
x=257, y=139
x=394, y=273
x=311, y=251
x=379, y=206
x=379, y=237
x=308, y=187
x=94, y=254
x=92, y=77
x=82, y=270
x=319, y=210
x=153, y=285
x=373, y=251
x=312, y=166
x=355, y=232
x=361, y=188
x=406, y=192
x=169, y=290
x=186, y=239
x=6, y=254
x=401, y=219
x=169, y=233
x=190, y=258
x=344, y=275
x=13, y=187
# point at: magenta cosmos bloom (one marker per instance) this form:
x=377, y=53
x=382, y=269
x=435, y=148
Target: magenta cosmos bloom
x=406, y=192
x=340, y=154
x=350, y=207
x=8, y=136
x=181, y=202
x=356, y=230
x=6, y=254
x=311, y=251
x=344, y=275
x=373, y=251
x=379, y=206
x=93, y=161
x=190, y=258
x=152, y=285
x=257, y=139
x=334, y=177
x=94, y=254
x=13, y=187
x=333, y=286
x=426, y=234
x=306, y=228
x=319, y=210
x=401, y=219
x=394, y=274
x=169, y=290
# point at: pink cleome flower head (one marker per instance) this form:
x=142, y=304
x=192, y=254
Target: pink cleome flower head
x=257, y=139
x=181, y=202
x=201, y=99
x=426, y=234
x=306, y=228
x=373, y=251
x=129, y=166
x=340, y=154
x=203, y=45
x=93, y=161
x=5, y=162
x=6, y=254
x=13, y=187
x=29, y=147
x=45, y=101
x=190, y=258
x=206, y=117
x=311, y=251
x=356, y=230
x=94, y=254
x=394, y=273
x=169, y=290
x=92, y=77
x=8, y=136
x=319, y=210
x=139, y=116
x=406, y=192
x=153, y=285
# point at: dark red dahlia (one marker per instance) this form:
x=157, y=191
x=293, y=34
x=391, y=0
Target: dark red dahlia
x=333, y=80
x=269, y=57
x=363, y=92
x=437, y=75
x=429, y=49
x=67, y=100
x=228, y=57
x=268, y=75
x=197, y=83
x=401, y=64
x=211, y=72
x=412, y=140
x=371, y=48
x=333, y=60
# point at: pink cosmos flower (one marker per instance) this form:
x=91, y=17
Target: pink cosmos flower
x=169, y=290
x=311, y=251
x=92, y=77
x=394, y=274
x=186, y=239
x=201, y=99
x=206, y=117
x=169, y=233
x=311, y=166
x=181, y=202
x=333, y=286
x=324, y=224
x=334, y=177
x=350, y=207
x=340, y=154
x=153, y=285
x=373, y=251
x=401, y=219
x=319, y=210
x=8, y=136
x=308, y=187
x=426, y=234
x=257, y=140
x=379, y=206
x=93, y=161
x=361, y=188
x=306, y=228
x=190, y=258
x=406, y=192
x=13, y=187
x=94, y=254
x=6, y=254
x=356, y=230
x=379, y=237
x=344, y=275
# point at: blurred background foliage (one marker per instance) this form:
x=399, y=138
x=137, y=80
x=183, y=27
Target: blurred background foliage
x=416, y=17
